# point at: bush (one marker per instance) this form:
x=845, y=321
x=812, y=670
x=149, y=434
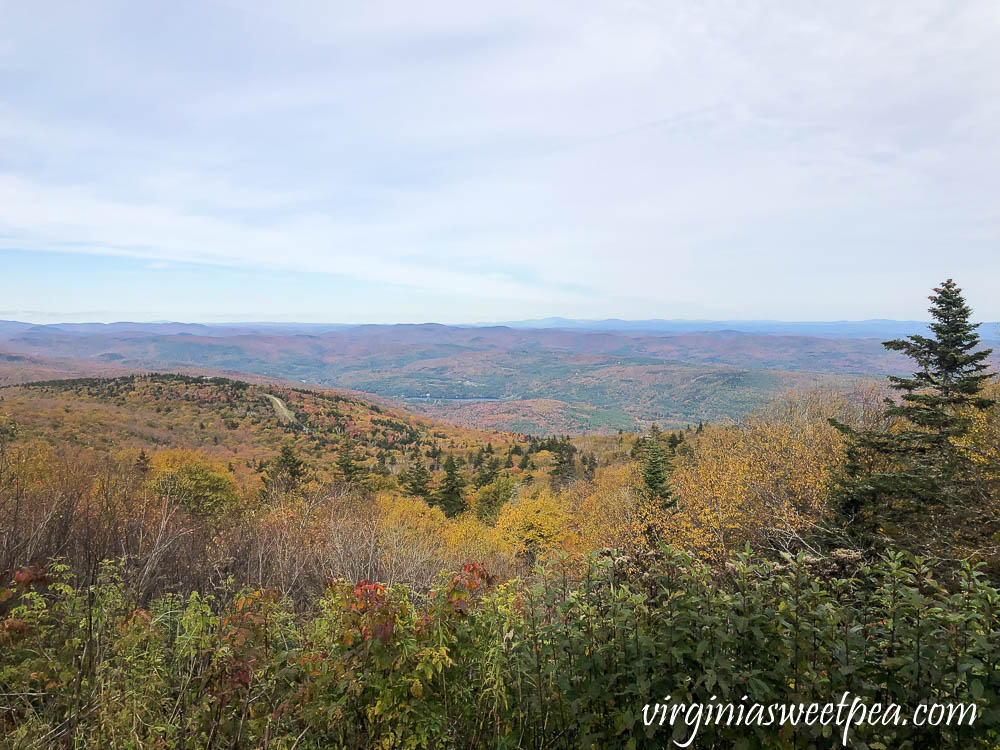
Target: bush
x=567, y=659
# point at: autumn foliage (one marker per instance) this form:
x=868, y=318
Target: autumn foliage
x=296, y=586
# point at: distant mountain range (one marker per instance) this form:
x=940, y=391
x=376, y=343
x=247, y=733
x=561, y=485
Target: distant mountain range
x=544, y=377
x=835, y=329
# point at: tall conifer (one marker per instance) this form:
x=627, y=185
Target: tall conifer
x=919, y=465
x=449, y=495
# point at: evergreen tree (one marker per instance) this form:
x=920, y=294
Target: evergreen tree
x=655, y=469
x=449, y=495
x=918, y=466
x=638, y=447
x=347, y=462
x=417, y=480
x=286, y=472
x=563, y=465
x=673, y=441
x=490, y=499
x=488, y=473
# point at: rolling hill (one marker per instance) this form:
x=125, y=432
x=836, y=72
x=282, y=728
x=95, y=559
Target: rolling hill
x=231, y=420
x=545, y=381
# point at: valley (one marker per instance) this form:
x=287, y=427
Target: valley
x=542, y=381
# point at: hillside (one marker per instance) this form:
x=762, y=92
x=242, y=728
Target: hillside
x=542, y=381
x=229, y=421
x=26, y=368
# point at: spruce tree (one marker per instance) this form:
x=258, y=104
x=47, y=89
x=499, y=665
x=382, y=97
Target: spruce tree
x=918, y=466
x=673, y=441
x=655, y=468
x=286, y=472
x=347, y=463
x=449, y=495
x=487, y=474
x=416, y=480
x=563, y=465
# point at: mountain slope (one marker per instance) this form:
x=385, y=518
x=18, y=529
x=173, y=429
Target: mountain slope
x=228, y=420
x=548, y=381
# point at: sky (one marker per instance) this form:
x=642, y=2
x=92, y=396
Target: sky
x=462, y=162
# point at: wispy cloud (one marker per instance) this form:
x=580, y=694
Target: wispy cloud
x=605, y=158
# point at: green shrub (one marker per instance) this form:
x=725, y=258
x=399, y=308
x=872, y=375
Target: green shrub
x=565, y=660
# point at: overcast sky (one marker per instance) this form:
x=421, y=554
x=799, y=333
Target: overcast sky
x=470, y=161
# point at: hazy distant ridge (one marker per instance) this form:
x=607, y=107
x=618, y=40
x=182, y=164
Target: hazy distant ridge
x=876, y=328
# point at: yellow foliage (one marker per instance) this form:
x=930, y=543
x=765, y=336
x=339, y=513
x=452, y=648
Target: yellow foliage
x=610, y=512
x=188, y=478
x=763, y=482
x=535, y=526
x=180, y=458
x=416, y=537
x=983, y=439
x=470, y=540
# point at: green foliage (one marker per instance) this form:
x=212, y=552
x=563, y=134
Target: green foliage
x=655, y=469
x=487, y=473
x=416, y=480
x=198, y=488
x=347, y=463
x=286, y=472
x=916, y=468
x=449, y=495
x=491, y=498
x=563, y=464
x=567, y=659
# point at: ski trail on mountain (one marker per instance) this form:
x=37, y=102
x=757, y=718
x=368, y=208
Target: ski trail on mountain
x=283, y=412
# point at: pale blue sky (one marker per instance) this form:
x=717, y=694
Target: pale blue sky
x=349, y=162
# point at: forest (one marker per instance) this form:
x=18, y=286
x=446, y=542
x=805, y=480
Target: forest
x=192, y=562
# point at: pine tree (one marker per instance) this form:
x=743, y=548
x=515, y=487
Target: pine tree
x=490, y=499
x=919, y=467
x=487, y=474
x=347, y=463
x=286, y=472
x=673, y=441
x=416, y=480
x=563, y=466
x=655, y=469
x=449, y=495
